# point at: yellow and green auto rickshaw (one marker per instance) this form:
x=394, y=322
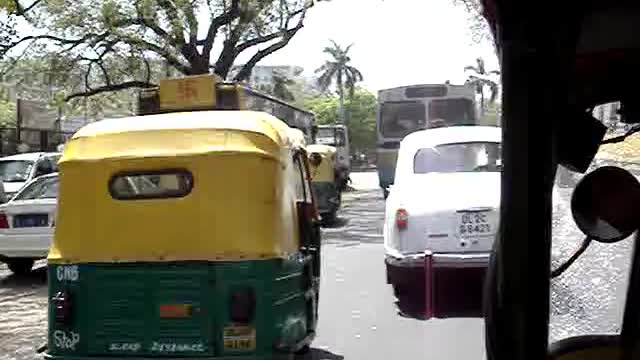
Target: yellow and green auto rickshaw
x=324, y=181
x=189, y=234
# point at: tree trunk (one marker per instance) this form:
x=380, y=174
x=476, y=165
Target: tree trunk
x=482, y=103
x=341, y=98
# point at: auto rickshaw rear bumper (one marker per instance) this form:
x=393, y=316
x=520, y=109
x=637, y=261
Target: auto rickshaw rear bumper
x=274, y=356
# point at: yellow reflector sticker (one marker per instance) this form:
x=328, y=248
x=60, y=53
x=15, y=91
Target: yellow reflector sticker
x=175, y=310
x=239, y=338
x=190, y=92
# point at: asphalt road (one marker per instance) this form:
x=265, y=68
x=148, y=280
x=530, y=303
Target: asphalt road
x=359, y=316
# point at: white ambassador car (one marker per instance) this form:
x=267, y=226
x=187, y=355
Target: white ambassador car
x=26, y=223
x=443, y=209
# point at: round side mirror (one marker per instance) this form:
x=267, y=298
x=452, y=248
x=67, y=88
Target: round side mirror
x=315, y=159
x=606, y=204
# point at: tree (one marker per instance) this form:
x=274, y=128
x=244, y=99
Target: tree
x=338, y=69
x=362, y=107
x=480, y=80
x=477, y=23
x=114, y=41
x=279, y=87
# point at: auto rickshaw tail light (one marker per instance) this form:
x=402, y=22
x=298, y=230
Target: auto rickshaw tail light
x=62, y=307
x=4, y=223
x=242, y=306
x=402, y=219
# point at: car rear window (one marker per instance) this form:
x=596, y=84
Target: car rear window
x=462, y=157
x=42, y=188
x=151, y=185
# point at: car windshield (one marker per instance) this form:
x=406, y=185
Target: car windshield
x=42, y=188
x=462, y=157
x=15, y=170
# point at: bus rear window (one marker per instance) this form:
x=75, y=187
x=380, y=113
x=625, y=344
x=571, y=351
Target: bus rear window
x=151, y=185
x=402, y=118
x=453, y=111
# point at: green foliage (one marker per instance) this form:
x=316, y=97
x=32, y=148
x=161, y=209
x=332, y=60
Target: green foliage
x=361, y=121
x=7, y=113
x=338, y=70
x=480, y=80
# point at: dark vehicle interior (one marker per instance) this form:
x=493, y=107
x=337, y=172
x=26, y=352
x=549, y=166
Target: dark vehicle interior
x=589, y=49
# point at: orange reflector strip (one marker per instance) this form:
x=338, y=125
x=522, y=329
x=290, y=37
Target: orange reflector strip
x=175, y=310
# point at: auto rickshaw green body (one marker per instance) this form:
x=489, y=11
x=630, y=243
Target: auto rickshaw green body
x=215, y=265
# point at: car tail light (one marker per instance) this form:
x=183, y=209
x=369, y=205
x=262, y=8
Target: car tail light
x=242, y=306
x=402, y=219
x=62, y=307
x=4, y=223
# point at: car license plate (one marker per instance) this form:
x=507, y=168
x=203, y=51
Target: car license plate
x=475, y=223
x=239, y=338
x=31, y=220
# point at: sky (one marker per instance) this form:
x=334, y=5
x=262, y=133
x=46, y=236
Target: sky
x=396, y=42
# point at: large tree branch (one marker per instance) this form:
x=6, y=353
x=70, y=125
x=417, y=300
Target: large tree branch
x=228, y=54
x=22, y=10
x=108, y=88
x=245, y=72
x=174, y=20
x=226, y=18
x=165, y=53
x=151, y=24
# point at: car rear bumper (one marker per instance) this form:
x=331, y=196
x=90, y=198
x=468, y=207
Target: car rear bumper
x=33, y=245
x=440, y=260
x=450, y=284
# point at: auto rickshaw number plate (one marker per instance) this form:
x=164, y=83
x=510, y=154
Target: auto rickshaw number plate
x=239, y=338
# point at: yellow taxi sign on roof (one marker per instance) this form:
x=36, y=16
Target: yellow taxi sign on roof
x=189, y=92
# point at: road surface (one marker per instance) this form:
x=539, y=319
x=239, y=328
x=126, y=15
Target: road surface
x=359, y=317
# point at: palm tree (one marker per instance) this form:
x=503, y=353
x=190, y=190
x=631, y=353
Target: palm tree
x=480, y=79
x=338, y=69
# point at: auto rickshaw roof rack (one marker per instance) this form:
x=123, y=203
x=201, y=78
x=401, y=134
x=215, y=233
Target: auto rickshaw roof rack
x=210, y=92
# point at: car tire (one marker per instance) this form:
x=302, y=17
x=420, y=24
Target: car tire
x=20, y=266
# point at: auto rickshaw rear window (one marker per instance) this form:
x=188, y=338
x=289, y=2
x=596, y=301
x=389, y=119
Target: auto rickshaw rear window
x=151, y=185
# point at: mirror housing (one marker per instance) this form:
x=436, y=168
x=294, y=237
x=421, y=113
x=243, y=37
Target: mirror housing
x=606, y=204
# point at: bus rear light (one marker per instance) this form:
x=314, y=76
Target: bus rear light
x=62, y=307
x=242, y=306
x=4, y=222
x=402, y=219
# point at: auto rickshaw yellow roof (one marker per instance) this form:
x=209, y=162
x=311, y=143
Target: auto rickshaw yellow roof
x=175, y=134
x=320, y=148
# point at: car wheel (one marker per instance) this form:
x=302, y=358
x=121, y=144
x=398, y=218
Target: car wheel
x=20, y=266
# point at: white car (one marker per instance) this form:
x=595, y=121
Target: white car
x=17, y=170
x=26, y=224
x=443, y=209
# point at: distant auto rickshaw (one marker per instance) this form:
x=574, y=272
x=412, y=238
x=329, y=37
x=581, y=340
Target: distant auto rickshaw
x=324, y=180
x=190, y=234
